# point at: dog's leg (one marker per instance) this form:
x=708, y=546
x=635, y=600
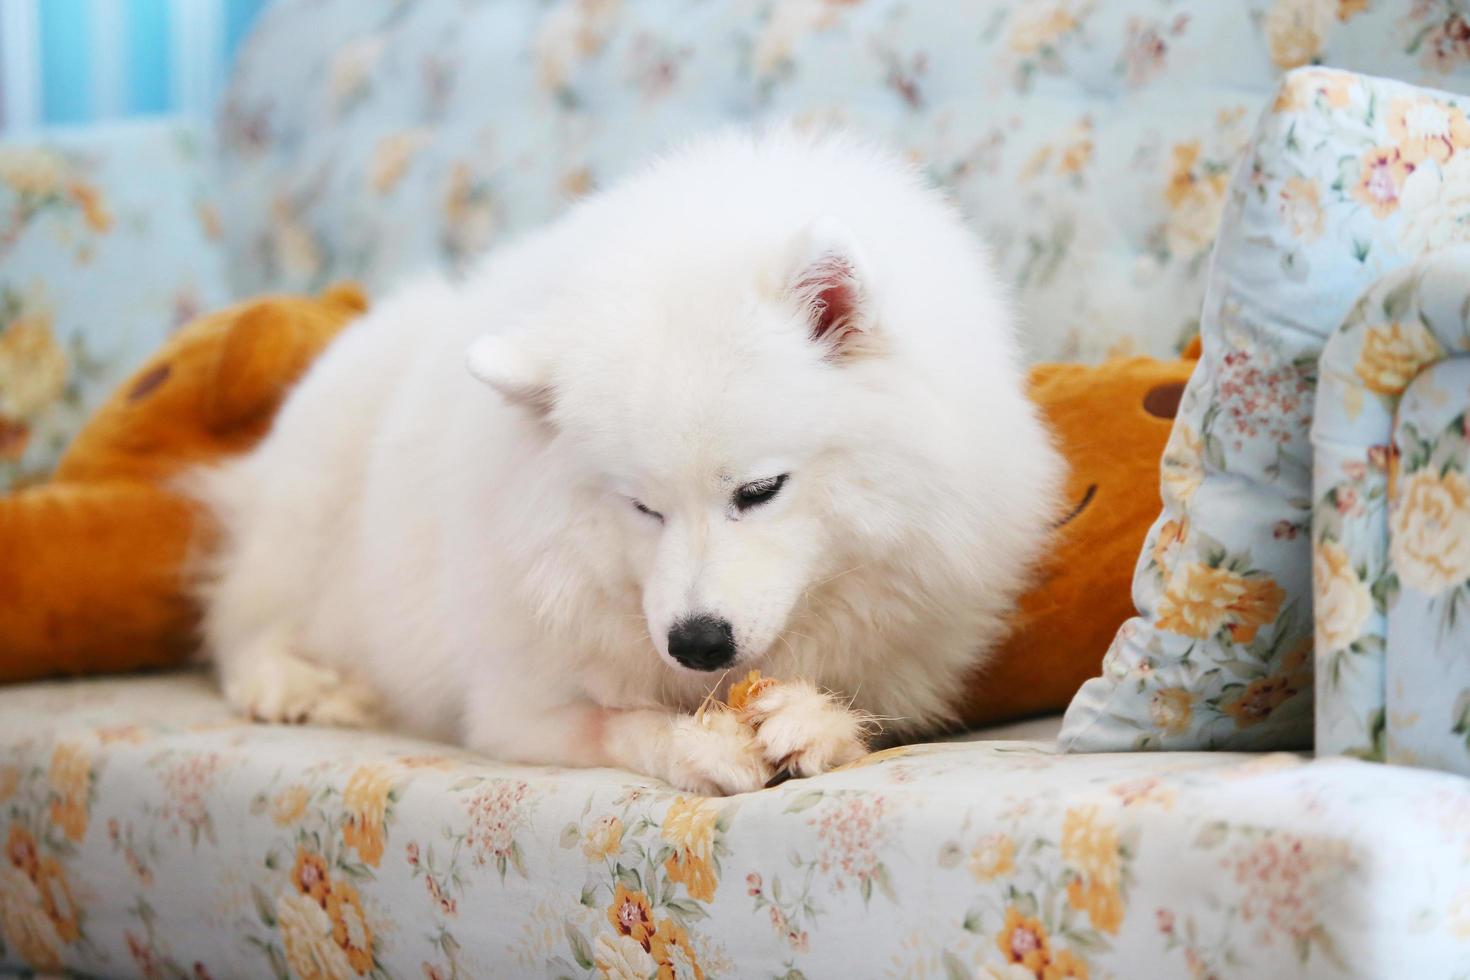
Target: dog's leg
x=805, y=731
x=712, y=754
x=267, y=680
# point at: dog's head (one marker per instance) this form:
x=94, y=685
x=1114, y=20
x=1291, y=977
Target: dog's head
x=716, y=413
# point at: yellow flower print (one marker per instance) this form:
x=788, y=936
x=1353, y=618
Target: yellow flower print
x=309, y=875
x=1459, y=915
x=1077, y=151
x=1299, y=92
x=1259, y=699
x=1301, y=205
x=604, y=840
x=1103, y=904
x=577, y=182
x=94, y=209
x=351, y=69
x=1041, y=25
x=1393, y=354
x=1183, y=464
x=1022, y=941
x=392, y=156
x=1065, y=966
x=293, y=243
x=631, y=915
x=1200, y=601
x=690, y=826
x=366, y=801
x=1171, y=538
x=289, y=805
x=1297, y=29
x=25, y=927
x=1090, y=846
x=1342, y=601
x=1296, y=666
x=349, y=927
x=673, y=954
x=619, y=957
x=57, y=901
x=32, y=171
x=1434, y=202
x=70, y=777
x=1430, y=525
x=1195, y=196
x=1381, y=176
x=1426, y=129
x=993, y=857
x=33, y=366
x=306, y=934
x=469, y=214
x=1171, y=709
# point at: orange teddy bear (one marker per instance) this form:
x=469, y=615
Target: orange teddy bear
x=91, y=578
x=1111, y=421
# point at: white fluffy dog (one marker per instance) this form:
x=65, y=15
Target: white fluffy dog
x=758, y=405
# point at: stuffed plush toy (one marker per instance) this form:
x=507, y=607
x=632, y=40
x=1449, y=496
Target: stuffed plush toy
x=92, y=577
x=91, y=563
x=1112, y=421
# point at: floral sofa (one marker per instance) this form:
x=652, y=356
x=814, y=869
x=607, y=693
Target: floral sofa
x=148, y=832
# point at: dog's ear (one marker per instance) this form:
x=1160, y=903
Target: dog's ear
x=514, y=372
x=827, y=282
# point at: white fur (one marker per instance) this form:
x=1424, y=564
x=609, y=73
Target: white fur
x=470, y=555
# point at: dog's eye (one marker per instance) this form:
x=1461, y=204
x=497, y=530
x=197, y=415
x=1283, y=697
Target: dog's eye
x=638, y=506
x=759, y=492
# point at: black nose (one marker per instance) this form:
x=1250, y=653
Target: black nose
x=702, y=642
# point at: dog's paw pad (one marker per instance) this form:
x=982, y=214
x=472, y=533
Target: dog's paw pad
x=714, y=754
x=805, y=732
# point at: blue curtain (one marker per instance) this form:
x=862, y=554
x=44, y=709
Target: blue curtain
x=75, y=61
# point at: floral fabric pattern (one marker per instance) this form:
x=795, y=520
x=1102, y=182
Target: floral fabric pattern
x=1427, y=676
x=1391, y=521
x=1348, y=179
x=1092, y=142
x=108, y=239
x=147, y=832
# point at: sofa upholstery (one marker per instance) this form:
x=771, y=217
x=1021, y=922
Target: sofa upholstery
x=1347, y=179
x=364, y=139
x=1391, y=520
x=148, y=832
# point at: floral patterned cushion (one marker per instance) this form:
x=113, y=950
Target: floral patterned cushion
x=1348, y=178
x=1391, y=523
x=148, y=833
x=1092, y=141
x=108, y=239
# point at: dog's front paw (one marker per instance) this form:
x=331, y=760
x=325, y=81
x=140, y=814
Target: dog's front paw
x=280, y=687
x=715, y=754
x=802, y=731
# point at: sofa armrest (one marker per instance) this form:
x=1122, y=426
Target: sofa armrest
x=1427, y=670
x=108, y=239
x=1391, y=519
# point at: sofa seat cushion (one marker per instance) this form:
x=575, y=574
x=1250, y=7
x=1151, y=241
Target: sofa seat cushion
x=147, y=832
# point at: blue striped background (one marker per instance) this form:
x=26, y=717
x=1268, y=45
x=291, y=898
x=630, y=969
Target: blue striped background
x=75, y=61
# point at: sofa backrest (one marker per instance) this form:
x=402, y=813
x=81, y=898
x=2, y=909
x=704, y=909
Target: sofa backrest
x=1091, y=140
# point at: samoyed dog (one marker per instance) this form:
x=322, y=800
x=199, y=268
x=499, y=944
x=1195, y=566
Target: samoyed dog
x=759, y=405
